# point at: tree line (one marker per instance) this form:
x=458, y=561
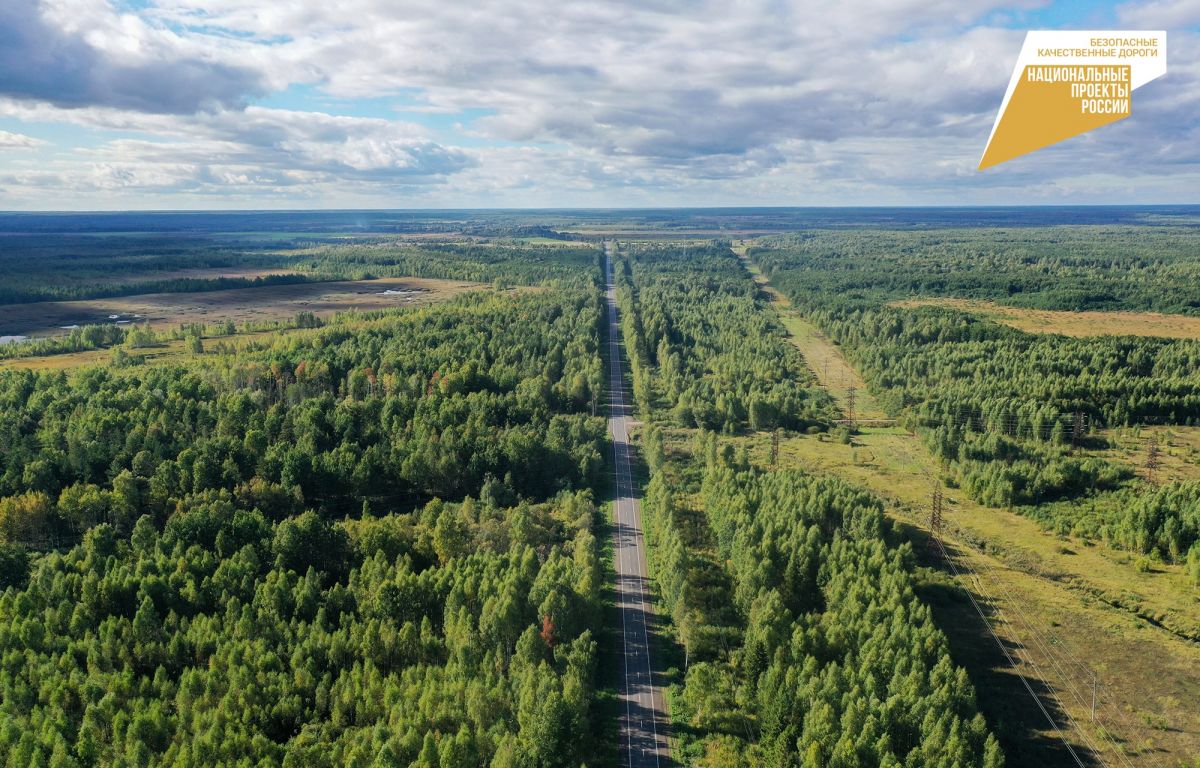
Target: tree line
x=705, y=347
x=1008, y=412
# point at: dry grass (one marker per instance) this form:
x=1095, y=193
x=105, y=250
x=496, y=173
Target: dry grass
x=240, y=305
x=1073, y=323
x=1045, y=587
x=824, y=359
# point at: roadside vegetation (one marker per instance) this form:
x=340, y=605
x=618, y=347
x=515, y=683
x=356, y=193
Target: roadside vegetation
x=777, y=582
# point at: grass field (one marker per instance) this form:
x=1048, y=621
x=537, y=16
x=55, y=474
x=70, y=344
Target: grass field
x=240, y=305
x=1066, y=610
x=1179, y=450
x=1073, y=323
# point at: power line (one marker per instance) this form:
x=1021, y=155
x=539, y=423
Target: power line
x=1152, y=457
x=1004, y=650
x=935, y=519
x=938, y=547
x=1037, y=638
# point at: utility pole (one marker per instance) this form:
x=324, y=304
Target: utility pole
x=850, y=395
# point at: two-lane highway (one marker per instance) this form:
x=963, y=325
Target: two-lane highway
x=643, y=707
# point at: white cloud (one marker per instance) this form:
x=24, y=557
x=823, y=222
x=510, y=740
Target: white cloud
x=10, y=140
x=1159, y=14
x=76, y=53
x=586, y=103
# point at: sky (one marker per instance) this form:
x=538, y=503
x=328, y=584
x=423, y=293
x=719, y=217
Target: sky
x=231, y=104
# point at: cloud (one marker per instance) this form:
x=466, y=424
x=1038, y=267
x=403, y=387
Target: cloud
x=1159, y=14
x=570, y=102
x=75, y=53
x=9, y=140
x=267, y=151
x=663, y=80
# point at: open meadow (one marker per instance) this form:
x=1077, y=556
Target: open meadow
x=1115, y=323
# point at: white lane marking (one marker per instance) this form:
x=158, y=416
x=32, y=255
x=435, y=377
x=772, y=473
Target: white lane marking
x=621, y=460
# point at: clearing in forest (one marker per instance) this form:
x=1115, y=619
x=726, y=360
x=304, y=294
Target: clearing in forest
x=239, y=305
x=1072, y=323
x=821, y=355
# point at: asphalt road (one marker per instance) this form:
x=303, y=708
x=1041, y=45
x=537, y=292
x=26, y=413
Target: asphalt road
x=643, y=707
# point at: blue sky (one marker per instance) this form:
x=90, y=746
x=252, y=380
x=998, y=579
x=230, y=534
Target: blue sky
x=112, y=104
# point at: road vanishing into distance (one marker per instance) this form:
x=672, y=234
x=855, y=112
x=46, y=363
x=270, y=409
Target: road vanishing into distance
x=643, y=706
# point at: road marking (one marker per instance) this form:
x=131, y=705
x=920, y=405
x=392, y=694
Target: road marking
x=628, y=534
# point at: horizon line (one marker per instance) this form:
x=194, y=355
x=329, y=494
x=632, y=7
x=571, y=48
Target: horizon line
x=930, y=206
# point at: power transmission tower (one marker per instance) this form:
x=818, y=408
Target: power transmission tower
x=935, y=521
x=851, y=392
x=1152, y=457
x=775, y=446
x=1078, y=430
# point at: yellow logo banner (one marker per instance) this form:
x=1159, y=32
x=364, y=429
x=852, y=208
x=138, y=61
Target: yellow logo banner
x=1068, y=83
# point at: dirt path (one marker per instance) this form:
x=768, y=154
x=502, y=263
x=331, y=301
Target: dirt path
x=1051, y=601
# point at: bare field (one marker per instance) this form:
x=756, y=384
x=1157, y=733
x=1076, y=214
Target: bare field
x=240, y=305
x=1072, y=323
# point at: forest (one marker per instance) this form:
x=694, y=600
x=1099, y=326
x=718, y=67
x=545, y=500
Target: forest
x=64, y=266
x=700, y=345
x=382, y=538
x=1094, y=267
x=1008, y=412
x=367, y=545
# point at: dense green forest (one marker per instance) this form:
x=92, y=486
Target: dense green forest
x=458, y=635
x=64, y=266
x=502, y=262
x=1005, y=410
x=367, y=545
x=428, y=403
x=700, y=344
x=839, y=663
x=374, y=539
x=1049, y=267
x=803, y=641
